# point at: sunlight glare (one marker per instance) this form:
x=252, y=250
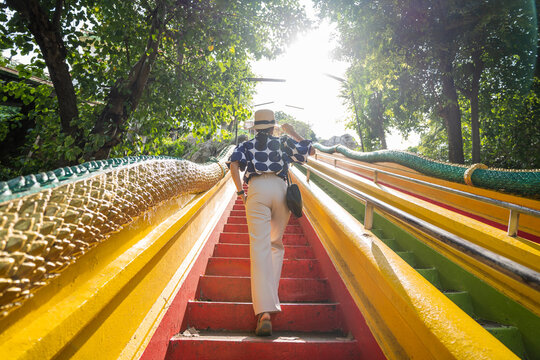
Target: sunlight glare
x=303, y=65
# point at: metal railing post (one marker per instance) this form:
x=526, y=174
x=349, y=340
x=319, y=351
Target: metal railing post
x=513, y=221
x=368, y=217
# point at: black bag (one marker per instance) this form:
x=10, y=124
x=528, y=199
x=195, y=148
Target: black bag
x=294, y=198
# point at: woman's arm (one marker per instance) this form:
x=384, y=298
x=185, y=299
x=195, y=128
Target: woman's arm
x=289, y=130
x=235, y=173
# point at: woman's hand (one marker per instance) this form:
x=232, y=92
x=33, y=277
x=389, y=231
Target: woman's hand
x=288, y=129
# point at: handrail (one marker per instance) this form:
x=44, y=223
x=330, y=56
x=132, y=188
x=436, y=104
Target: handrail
x=515, y=210
x=507, y=266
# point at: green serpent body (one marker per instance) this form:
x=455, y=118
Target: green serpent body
x=520, y=182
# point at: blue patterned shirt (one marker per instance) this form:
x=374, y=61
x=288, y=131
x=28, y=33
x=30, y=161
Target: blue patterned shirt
x=266, y=154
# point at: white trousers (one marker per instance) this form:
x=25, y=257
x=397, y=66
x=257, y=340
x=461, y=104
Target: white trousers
x=267, y=215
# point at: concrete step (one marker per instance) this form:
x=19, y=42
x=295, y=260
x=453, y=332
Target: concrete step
x=431, y=275
x=243, y=228
x=243, y=345
x=238, y=213
x=238, y=316
x=242, y=251
x=408, y=256
x=236, y=220
x=391, y=243
x=461, y=299
x=242, y=219
x=297, y=268
x=243, y=238
x=238, y=289
x=510, y=336
x=378, y=232
x=310, y=325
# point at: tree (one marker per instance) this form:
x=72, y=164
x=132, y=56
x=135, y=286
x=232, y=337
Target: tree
x=385, y=84
x=26, y=104
x=487, y=58
x=411, y=58
x=147, y=67
x=511, y=134
x=46, y=31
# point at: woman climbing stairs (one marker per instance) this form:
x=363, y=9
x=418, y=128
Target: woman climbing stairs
x=220, y=323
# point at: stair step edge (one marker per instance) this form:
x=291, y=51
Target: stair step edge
x=280, y=336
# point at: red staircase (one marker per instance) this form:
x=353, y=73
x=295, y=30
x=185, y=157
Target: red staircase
x=310, y=325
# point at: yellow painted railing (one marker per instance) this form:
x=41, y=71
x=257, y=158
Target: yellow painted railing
x=470, y=230
x=488, y=211
x=522, y=251
x=109, y=303
x=409, y=317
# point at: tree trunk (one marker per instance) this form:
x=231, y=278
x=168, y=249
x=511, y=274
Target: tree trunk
x=537, y=69
x=357, y=119
x=125, y=95
x=475, y=123
x=379, y=120
x=450, y=110
x=48, y=37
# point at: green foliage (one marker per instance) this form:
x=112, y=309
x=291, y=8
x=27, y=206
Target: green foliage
x=30, y=136
x=409, y=60
x=511, y=134
x=203, y=53
x=8, y=115
x=433, y=144
x=177, y=148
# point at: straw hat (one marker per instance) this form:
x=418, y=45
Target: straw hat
x=264, y=119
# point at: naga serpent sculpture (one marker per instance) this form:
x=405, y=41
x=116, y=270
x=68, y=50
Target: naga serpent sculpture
x=520, y=182
x=48, y=221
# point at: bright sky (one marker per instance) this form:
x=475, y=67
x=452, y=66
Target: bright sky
x=303, y=65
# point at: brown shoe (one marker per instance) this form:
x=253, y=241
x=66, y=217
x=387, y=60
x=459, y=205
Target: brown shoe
x=264, y=327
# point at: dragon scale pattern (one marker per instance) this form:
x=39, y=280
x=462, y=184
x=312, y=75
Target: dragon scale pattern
x=43, y=232
x=520, y=182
